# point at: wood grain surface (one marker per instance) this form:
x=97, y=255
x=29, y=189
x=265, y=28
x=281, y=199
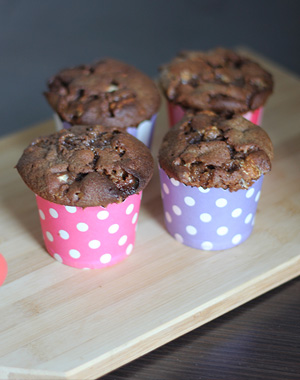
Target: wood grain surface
x=59, y=322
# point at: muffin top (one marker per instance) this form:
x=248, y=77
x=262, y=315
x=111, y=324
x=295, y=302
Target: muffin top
x=218, y=80
x=86, y=166
x=108, y=92
x=209, y=150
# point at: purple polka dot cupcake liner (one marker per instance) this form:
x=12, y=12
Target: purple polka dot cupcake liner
x=143, y=132
x=208, y=219
x=90, y=237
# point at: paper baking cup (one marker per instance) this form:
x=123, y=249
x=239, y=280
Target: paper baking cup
x=90, y=237
x=143, y=132
x=211, y=219
x=255, y=116
x=176, y=113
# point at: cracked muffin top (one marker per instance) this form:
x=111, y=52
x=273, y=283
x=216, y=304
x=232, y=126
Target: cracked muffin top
x=86, y=166
x=108, y=92
x=209, y=150
x=219, y=80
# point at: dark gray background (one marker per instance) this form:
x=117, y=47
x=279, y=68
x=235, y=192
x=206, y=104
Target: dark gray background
x=39, y=37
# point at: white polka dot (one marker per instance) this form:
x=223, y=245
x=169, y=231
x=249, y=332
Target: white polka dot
x=203, y=190
x=174, y=182
x=134, y=219
x=248, y=218
x=74, y=253
x=205, y=217
x=82, y=227
x=191, y=230
x=42, y=215
x=129, y=249
x=236, y=239
x=257, y=196
x=122, y=240
x=179, y=238
x=71, y=209
x=57, y=257
x=113, y=228
x=249, y=193
x=63, y=234
x=102, y=215
x=222, y=230
x=236, y=212
x=207, y=245
x=94, y=244
x=53, y=213
x=49, y=236
x=253, y=221
x=129, y=209
x=189, y=201
x=176, y=210
x=168, y=217
x=166, y=189
x=221, y=202
x=106, y=258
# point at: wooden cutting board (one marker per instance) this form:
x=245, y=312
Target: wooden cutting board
x=58, y=322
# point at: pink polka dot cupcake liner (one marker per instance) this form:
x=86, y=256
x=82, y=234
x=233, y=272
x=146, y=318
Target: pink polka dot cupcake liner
x=208, y=219
x=90, y=237
x=176, y=113
x=143, y=132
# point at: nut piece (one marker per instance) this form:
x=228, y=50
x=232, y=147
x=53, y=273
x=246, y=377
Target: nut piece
x=63, y=178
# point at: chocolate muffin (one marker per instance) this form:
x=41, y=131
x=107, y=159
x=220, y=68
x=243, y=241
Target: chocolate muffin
x=86, y=166
x=108, y=92
x=219, y=80
x=208, y=150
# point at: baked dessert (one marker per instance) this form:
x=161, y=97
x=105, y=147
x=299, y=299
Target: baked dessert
x=209, y=150
x=86, y=166
x=88, y=183
x=211, y=171
x=219, y=80
x=108, y=92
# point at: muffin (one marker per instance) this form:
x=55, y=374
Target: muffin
x=211, y=171
x=88, y=183
x=218, y=80
x=109, y=93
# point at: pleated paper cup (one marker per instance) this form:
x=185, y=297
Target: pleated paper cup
x=143, y=132
x=208, y=219
x=176, y=113
x=90, y=237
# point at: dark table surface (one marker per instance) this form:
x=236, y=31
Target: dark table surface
x=259, y=340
